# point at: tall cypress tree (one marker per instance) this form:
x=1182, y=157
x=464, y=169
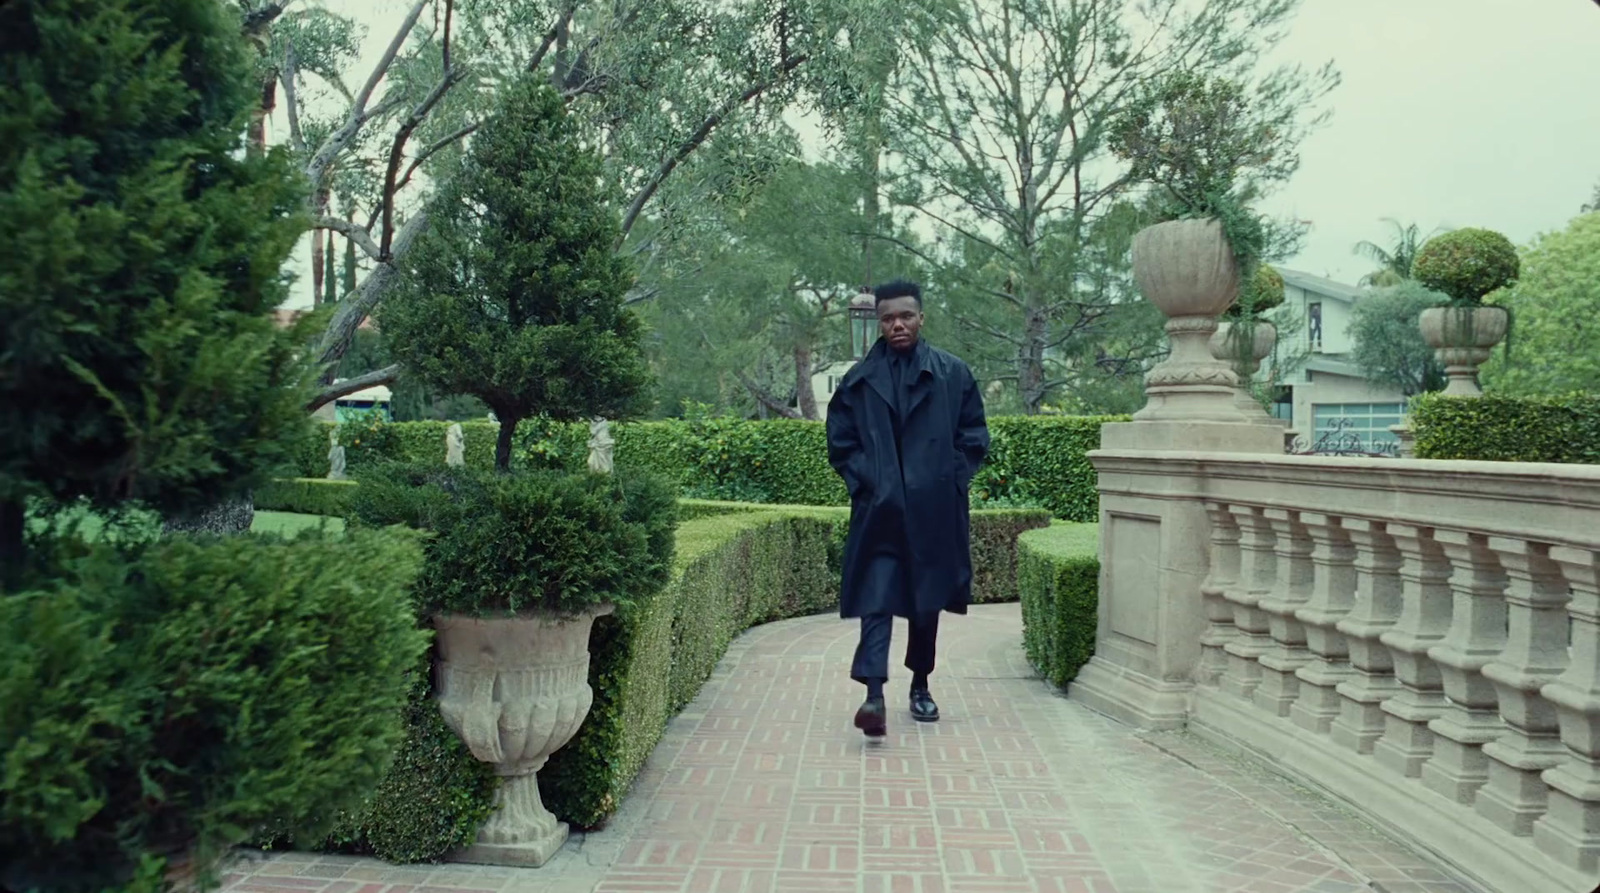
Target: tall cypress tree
x=141, y=257
x=514, y=295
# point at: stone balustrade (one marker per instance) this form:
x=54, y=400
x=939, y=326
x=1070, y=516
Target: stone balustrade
x=1421, y=639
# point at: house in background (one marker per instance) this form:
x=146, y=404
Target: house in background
x=1323, y=396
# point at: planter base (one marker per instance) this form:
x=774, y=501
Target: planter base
x=521, y=831
x=517, y=855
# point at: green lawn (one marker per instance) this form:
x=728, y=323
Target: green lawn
x=288, y=524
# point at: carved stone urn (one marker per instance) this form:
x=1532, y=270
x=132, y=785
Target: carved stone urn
x=1462, y=339
x=1186, y=269
x=515, y=689
x=1225, y=348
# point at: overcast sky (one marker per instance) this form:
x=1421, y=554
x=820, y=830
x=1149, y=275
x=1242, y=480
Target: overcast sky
x=1451, y=113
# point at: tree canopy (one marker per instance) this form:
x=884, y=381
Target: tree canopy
x=1554, y=303
x=1386, y=330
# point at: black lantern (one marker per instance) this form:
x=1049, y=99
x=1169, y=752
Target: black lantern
x=863, y=323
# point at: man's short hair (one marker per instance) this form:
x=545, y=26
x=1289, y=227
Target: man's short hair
x=899, y=288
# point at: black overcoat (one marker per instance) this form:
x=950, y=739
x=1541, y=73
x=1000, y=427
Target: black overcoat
x=909, y=548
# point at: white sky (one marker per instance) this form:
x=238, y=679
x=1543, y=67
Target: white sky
x=1451, y=113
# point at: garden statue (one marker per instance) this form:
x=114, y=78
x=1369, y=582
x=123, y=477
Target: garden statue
x=600, y=445
x=454, y=446
x=335, y=458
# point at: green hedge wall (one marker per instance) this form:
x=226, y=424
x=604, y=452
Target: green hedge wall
x=305, y=496
x=1035, y=461
x=1058, y=573
x=1508, y=429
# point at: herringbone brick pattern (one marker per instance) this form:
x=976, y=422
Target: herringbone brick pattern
x=763, y=785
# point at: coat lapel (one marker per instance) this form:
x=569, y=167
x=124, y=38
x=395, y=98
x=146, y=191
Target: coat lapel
x=876, y=373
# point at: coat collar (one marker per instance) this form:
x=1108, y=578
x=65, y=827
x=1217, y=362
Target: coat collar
x=875, y=369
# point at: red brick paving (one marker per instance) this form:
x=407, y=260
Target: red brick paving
x=764, y=785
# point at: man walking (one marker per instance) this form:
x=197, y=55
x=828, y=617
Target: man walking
x=906, y=432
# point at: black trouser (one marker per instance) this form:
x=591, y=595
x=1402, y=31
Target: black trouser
x=872, y=653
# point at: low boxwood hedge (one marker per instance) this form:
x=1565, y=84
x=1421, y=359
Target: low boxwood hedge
x=1034, y=461
x=1508, y=429
x=1058, y=573
x=305, y=496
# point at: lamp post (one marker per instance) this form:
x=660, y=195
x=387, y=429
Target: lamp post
x=863, y=323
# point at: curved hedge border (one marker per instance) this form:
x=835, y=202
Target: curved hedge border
x=1563, y=429
x=1034, y=460
x=1058, y=572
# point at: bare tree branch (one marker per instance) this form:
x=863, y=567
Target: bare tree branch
x=256, y=21
x=699, y=136
x=349, y=386
x=286, y=75
x=433, y=147
x=355, y=307
x=350, y=230
x=339, y=140
x=396, y=151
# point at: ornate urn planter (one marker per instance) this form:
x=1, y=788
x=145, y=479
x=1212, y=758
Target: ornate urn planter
x=1187, y=270
x=1226, y=349
x=1462, y=338
x=515, y=689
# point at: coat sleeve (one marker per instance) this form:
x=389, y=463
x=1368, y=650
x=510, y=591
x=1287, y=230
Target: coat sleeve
x=844, y=443
x=972, y=431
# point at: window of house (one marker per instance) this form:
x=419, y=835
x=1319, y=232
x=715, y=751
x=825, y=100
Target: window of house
x=1314, y=324
x=1283, y=404
x=1356, y=427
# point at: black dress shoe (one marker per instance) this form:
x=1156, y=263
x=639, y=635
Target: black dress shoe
x=872, y=719
x=923, y=709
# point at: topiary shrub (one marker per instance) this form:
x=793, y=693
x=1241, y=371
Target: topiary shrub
x=1467, y=264
x=168, y=700
x=532, y=540
x=1497, y=428
x=1058, y=573
x=1262, y=292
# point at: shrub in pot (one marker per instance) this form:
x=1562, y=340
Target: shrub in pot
x=1466, y=265
x=518, y=568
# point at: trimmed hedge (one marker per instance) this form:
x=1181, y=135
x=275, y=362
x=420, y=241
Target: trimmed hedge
x=1034, y=461
x=176, y=696
x=1508, y=429
x=1058, y=572
x=305, y=496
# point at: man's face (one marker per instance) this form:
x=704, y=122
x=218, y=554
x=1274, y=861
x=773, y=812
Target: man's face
x=899, y=321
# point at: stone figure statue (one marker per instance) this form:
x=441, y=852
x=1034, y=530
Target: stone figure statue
x=455, y=444
x=600, y=444
x=335, y=458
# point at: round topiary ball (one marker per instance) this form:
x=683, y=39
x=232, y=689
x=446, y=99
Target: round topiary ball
x=1467, y=264
x=1260, y=293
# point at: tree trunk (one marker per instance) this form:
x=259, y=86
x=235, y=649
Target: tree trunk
x=1030, y=360
x=316, y=268
x=502, y=447
x=13, y=542
x=256, y=135
x=803, y=370
x=330, y=277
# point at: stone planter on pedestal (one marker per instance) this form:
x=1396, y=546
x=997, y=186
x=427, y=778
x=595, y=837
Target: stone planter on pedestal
x=1225, y=348
x=1462, y=338
x=515, y=689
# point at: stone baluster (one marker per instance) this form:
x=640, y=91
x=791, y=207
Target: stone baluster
x=1222, y=577
x=1333, y=591
x=1535, y=654
x=1279, y=685
x=1424, y=618
x=1377, y=607
x=1476, y=636
x=1570, y=828
x=1258, y=570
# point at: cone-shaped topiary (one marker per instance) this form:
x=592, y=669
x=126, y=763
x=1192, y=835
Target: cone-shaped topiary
x=1467, y=264
x=515, y=294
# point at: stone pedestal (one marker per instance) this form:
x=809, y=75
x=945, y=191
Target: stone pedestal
x=1154, y=546
x=515, y=689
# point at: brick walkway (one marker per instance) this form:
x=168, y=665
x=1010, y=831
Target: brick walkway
x=763, y=785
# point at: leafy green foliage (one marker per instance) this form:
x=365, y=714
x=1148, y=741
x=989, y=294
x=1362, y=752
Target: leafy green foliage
x=1258, y=294
x=1386, y=330
x=1058, y=572
x=1556, y=301
x=1466, y=265
x=177, y=697
x=1508, y=429
x=1045, y=460
x=514, y=295
x=138, y=359
x=533, y=540
x=305, y=496
x=1395, y=262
